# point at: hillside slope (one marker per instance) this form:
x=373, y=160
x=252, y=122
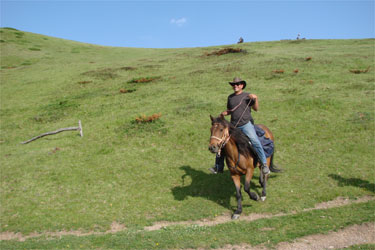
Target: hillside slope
x=322, y=115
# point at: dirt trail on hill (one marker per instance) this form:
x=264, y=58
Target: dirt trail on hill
x=338, y=202
x=117, y=227
x=350, y=236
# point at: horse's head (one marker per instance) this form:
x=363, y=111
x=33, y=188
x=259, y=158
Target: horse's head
x=219, y=133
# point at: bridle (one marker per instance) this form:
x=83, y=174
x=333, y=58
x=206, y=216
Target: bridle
x=223, y=140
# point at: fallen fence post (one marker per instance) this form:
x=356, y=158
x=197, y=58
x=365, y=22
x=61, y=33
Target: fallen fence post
x=79, y=128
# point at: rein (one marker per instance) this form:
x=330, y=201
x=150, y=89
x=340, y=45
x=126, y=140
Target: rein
x=239, y=155
x=242, y=112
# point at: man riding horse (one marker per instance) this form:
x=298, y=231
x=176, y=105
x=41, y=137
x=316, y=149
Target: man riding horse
x=238, y=107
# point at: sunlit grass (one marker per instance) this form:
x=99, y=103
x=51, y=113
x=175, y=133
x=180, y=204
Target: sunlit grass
x=139, y=173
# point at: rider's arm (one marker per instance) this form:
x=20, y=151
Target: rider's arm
x=255, y=106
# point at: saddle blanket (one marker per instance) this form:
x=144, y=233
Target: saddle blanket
x=267, y=143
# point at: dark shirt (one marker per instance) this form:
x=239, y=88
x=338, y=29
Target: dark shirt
x=242, y=100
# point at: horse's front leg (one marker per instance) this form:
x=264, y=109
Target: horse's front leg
x=237, y=182
x=263, y=181
x=248, y=177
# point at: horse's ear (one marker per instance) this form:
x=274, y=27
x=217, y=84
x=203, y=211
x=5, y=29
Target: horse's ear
x=212, y=119
x=222, y=117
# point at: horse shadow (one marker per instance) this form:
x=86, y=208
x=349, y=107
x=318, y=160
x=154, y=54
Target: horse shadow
x=217, y=188
x=356, y=182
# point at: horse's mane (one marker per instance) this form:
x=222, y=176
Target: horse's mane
x=241, y=140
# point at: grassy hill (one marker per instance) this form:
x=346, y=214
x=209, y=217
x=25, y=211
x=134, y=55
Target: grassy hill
x=313, y=96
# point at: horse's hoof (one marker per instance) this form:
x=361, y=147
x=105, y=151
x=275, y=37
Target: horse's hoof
x=263, y=198
x=235, y=216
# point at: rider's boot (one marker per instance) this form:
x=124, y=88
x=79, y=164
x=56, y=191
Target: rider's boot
x=215, y=170
x=219, y=165
x=265, y=169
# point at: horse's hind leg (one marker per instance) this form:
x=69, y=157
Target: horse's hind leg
x=237, y=182
x=248, y=177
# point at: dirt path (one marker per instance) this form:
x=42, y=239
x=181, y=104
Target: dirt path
x=338, y=202
x=350, y=236
x=117, y=227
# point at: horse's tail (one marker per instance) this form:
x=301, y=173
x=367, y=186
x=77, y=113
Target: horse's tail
x=273, y=167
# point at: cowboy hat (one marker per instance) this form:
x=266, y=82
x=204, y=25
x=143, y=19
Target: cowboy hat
x=238, y=80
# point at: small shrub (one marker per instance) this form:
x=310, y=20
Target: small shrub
x=144, y=79
x=26, y=63
x=308, y=58
x=123, y=91
x=55, y=150
x=141, y=129
x=128, y=68
x=225, y=51
x=358, y=71
x=151, y=66
x=84, y=82
x=307, y=82
x=147, y=119
x=34, y=49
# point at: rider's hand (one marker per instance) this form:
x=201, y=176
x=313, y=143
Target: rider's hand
x=253, y=97
x=224, y=113
x=254, y=102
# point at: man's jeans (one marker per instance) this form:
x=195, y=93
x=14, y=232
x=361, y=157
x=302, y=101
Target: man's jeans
x=249, y=130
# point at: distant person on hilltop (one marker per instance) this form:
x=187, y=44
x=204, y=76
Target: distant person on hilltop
x=240, y=40
x=239, y=106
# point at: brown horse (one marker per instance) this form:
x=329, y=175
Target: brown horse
x=241, y=159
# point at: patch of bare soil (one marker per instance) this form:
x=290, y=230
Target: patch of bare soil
x=340, y=201
x=225, y=51
x=144, y=79
x=117, y=227
x=352, y=235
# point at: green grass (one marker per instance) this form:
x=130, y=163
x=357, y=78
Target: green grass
x=138, y=174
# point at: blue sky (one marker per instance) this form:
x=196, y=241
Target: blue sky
x=178, y=24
